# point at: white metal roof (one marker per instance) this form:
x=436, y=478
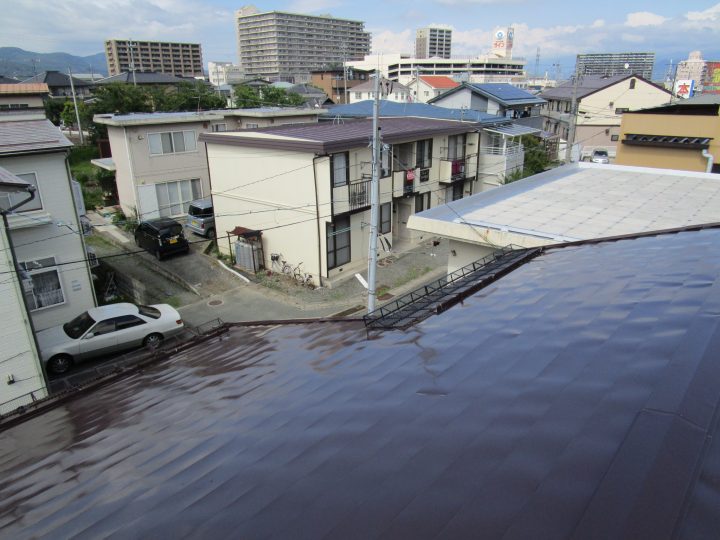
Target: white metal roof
x=578, y=202
x=513, y=130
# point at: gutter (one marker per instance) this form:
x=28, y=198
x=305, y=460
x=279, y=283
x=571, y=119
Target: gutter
x=710, y=160
x=317, y=216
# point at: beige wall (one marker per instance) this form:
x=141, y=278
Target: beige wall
x=675, y=125
x=464, y=253
x=33, y=102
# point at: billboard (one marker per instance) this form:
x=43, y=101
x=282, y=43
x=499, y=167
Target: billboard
x=503, y=42
x=711, y=84
x=684, y=88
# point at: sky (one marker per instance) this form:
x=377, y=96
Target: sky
x=670, y=29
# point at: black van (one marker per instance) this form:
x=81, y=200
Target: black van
x=162, y=236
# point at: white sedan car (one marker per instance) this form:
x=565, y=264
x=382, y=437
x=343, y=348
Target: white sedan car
x=106, y=330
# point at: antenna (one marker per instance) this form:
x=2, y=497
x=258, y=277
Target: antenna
x=537, y=62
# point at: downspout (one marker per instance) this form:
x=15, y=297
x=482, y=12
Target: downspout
x=710, y=160
x=317, y=218
x=31, y=191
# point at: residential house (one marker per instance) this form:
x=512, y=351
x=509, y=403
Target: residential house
x=601, y=102
x=314, y=97
x=501, y=99
x=159, y=165
x=61, y=85
x=574, y=397
x=147, y=78
x=335, y=84
x=426, y=87
x=21, y=375
x=46, y=231
x=569, y=204
x=684, y=135
x=22, y=100
x=389, y=90
x=306, y=188
x=500, y=152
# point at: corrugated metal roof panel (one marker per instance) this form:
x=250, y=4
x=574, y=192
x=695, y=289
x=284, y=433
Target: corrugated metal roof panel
x=30, y=135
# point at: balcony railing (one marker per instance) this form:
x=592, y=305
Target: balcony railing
x=509, y=150
x=359, y=194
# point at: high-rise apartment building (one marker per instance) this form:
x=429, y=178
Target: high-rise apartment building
x=433, y=42
x=180, y=59
x=287, y=46
x=638, y=63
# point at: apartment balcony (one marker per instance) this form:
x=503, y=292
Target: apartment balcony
x=496, y=163
x=458, y=169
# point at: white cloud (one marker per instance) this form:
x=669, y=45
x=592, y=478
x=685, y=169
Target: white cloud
x=599, y=23
x=311, y=6
x=388, y=41
x=644, y=18
x=710, y=14
x=633, y=38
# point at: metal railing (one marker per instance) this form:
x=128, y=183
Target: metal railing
x=359, y=194
x=509, y=150
x=440, y=294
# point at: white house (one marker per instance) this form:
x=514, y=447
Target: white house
x=46, y=232
x=306, y=188
x=426, y=87
x=21, y=377
x=575, y=202
x=389, y=90
x=159, y=165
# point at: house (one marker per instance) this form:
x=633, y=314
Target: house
x=61, y=85
x=306, y=188
x=495, y=98
x=335, y=84
x=684, y=135
x=500, y=152
x=570, y=204
x=21, y=375
x=575, y=397
x=46, y=231
x=601, y=102
x=23, y=100
x=159, y=165
x=389, y=90
x=146, y=78
x=314, y=97
x=426, y=87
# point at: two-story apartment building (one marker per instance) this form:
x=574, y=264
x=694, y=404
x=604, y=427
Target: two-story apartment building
x=389, y=90
x=501, y=99
x=306, y=189
x=46, y=232
x=601, y=102
x=21, y=376
x=159, y=165
x=684, y=136
x=426, y=87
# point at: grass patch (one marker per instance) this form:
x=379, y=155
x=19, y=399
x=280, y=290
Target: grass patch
x=174, y=301
x=96, y=240
x=412, y=274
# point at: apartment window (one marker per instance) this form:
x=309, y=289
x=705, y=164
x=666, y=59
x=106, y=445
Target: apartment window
x=457, y=190
x=422, y=202
x=621, y=110
x=385, y=216
x=251, y=125
x=385, y=156
x=632, y=84
x=402, y=157
x=456, y=146
x=15, y=198
x=219, y=127
x=174, y=198
x=338, y=242
x=41, y=283
x=340, y=169
x=614, y=137
x=172, y=142
x=423, y=158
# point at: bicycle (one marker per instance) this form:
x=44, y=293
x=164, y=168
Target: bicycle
x=303, y=278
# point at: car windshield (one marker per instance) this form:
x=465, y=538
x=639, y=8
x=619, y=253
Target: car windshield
x=148, y=311
x=199, y=212
x=172, y=230
x=79, y=325
x=601, y=153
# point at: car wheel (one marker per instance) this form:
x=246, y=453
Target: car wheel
x=211, y=234
x=137, y=241
x=153, y=341
x=60, y=364
x=158, y=255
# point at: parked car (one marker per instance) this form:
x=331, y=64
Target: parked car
x=600, y=156
x=201, y=219
x=162, y=236
x=106, y=330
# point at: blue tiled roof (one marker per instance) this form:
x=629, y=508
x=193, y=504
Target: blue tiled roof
x=507, y=93
x=364, y=109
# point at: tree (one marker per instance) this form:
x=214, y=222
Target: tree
x=192, y=96
x=246, y=97
x=68, y=114
x=54, y=108
x=536, y=159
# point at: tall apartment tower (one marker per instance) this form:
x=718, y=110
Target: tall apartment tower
x=287, y=46
x=180, y=59
x=638, y=63
x=433, y=42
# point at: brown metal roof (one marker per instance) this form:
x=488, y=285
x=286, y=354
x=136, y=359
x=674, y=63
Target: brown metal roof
x=576, y=397
x=24, y=88
x=333, y=137
x=23, y=136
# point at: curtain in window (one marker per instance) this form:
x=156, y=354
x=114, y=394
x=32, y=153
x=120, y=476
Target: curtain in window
x=339, y=164
x=46, y=290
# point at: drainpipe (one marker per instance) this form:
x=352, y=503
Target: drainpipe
x=710, y=160
x=317, y=218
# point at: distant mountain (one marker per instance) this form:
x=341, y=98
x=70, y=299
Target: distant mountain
x=18, y=63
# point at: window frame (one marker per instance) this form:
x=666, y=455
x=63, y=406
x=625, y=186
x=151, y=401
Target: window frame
x=399, y=164
x=42, y=270
x=150, y=134
x=331, y=241
x=184, y=204
x=215, y=127
x=420, y=202
x=333, y=183
x=425, y=144
x=385, y=217
x=17, y=197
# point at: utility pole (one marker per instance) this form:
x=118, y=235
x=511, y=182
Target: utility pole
x=132, y=61
x=77, y=113
x=573, y=118
x=344, y=53
x=537, y=62
x=374, y=196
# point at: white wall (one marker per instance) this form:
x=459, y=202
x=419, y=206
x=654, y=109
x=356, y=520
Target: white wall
x=464, y=253
x=53, y=231
x=18, y=356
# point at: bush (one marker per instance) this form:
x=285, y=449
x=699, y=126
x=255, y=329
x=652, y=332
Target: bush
x=127, y=223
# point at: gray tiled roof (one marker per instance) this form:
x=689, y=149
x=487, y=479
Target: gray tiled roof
x=364, y=109
x=22, y=136
x=143, y=78
x=576, y=397
x=56, y=79
x=587, y=85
